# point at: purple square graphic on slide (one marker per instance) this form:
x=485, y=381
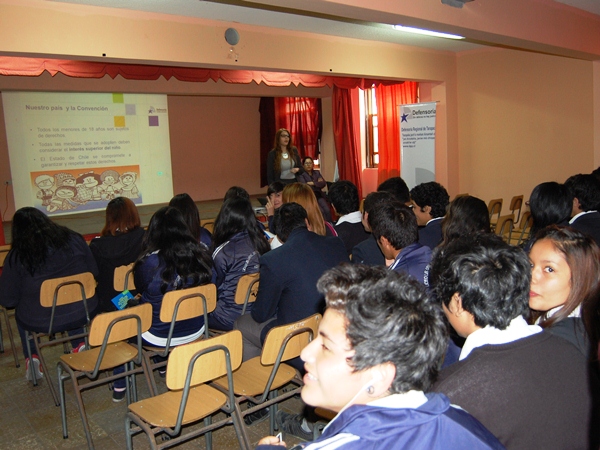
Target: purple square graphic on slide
x=153, y=121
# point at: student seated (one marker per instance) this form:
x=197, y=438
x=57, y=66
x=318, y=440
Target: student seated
x=395, y=229
x=530, y=388
x=343, y=195
x=375, y=357
x=585, y=190
x=430, y=201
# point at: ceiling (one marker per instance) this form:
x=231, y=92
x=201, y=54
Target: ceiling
x=249, y=13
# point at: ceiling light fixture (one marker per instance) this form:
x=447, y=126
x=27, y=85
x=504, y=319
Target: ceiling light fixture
x=427, y=32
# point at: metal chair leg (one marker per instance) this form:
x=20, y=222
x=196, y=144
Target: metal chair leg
x=10, y=337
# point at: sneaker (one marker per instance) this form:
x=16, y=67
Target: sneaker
x=119, y=396
x=162, y=373
x=80, y=348
x=257, y=416
x=37, y=368
x=292, y=424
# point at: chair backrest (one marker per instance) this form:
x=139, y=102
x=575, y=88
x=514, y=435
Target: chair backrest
x=301, y=332
x=246, y=290
x=505, y=225
x=123, y=329
x=209, y=224
x=209, y=365
x=67, y=289
x=188, y=303
x=495, y=207
x=516, y=203
x=526, y=221
x=123, y=278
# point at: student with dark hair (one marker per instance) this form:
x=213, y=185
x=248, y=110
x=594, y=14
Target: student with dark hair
x=550, y=203
x=529, y=388
x=394, y=227
x=368, y=252
x=189, y=210
x=397, y=187
x=430, y=201
x=467, y=215
x=235, y=192
x=119, y=244
x=343, y=195
x=238, y=244
x=585, y=190
x=172, y=259
x=274, y=200
x=288, y=277
x=375, y=357
x=42, y=250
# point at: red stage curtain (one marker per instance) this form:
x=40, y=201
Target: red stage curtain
x=346, y=128
x=302, y=117
x=34, y=67
x=388, y=125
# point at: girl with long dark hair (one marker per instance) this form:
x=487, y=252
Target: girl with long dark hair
x=186, y=205
x=42, y=250
x=238, y=243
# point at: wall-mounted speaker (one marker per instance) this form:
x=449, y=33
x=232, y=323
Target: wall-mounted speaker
x=232, y=36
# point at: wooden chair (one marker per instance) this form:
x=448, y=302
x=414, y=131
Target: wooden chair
x=521, y=233
x=53, y=293
x=495, y=209
x=109, y=333
x=516, y=204
x=246, y=290
x=123, y=278
x=189, y=399
x=176, y=306
x=504, y=227
x=4, y=249
x=209, y=224
x=258, y=379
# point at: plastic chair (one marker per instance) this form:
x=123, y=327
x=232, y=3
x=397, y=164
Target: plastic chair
x=516, y=203
x=109, y=333
x=123, y=278
x=57, y=292
x=258, y=379
x=176, y=306
x=189, y=399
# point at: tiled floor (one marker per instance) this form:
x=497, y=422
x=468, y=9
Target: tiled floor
x=29, y=419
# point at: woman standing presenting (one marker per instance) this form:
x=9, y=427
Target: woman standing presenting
x=283, y=162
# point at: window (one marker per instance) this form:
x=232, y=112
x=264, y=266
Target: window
x=371, y=136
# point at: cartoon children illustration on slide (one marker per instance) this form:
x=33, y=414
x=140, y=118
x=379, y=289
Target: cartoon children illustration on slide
x=45, y=193
x=65, y=179
x=61, y=199
x=128, y=187
x=108, y=189
x=87, y=187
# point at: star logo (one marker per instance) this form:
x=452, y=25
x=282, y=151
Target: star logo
x=404, y=118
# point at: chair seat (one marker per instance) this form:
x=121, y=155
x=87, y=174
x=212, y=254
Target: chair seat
x=161, y=410
x=251, y=378
x=116, y=354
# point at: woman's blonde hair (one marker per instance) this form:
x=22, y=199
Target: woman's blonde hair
x=305, y=197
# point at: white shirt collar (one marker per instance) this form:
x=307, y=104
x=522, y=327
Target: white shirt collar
x=517, y=329
x=577, y=216
x=410, y=399
x=575, y=313
x=353, y=217
x=433, y=220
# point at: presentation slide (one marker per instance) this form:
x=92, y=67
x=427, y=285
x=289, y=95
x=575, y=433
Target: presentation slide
x=74, y=152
